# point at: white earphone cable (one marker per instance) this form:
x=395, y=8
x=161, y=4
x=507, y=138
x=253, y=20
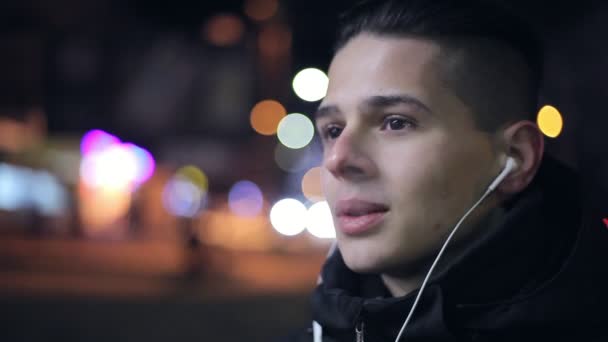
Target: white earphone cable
x=428, y=275
x=510, y=165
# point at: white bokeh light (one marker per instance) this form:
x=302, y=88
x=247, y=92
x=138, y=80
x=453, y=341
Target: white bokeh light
x=295, y=131
x=22, y=188
x=52, y=198
x=310, y=84
x=288, y=216
x=13, y=187
x=319, y=221
x=114, y=167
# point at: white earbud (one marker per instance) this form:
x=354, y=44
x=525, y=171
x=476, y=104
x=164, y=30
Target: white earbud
x=510, y=165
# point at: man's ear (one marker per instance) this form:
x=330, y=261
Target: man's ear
x=525, y=143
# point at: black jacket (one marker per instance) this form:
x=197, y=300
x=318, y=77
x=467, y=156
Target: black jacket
x=538, y=275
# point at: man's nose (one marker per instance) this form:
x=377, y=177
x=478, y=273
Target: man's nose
x=348, y=159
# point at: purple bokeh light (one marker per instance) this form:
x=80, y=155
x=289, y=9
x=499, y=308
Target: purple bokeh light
x=97, y=140
x=107, y=160
x=245, y=199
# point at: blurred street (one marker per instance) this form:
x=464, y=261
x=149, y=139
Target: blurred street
x=95, y=291
x=143, y=269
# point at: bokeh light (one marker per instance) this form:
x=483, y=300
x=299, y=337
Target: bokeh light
x=245, y=199
x=110, y=171
x=550, y=121
x=266, y=115
x=183, y=198
x=145, y=163
x=100, y=208
x=224, y=29
x=186, y=193
x=311, y=185
x=50, y=198
x=22, y=188
x=295, y=131
x=109, y=163
x=114, y=167
x=97, y=140
x=288, y=216
x=12, y=135
x=274, y=40
x=14, y=183
x=310, y=84
x=194, y=175
x=320, y=222
x=261, y=10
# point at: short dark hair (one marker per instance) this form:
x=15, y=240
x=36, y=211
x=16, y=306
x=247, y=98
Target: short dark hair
x=490, y=57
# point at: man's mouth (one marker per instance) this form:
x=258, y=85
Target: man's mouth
x=357, y=216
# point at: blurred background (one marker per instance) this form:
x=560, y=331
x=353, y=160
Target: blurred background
x=159, y=170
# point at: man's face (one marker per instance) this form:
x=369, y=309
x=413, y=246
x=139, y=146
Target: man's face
x=403, y=160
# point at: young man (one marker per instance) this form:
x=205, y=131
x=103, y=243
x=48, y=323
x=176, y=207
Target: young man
x=427, y=101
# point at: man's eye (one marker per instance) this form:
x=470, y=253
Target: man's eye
x=331, y=132
x=396, y=123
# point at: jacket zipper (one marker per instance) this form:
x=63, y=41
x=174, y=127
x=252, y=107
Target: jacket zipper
x=360, y=331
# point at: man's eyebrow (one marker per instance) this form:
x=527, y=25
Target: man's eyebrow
x=381, y=101
x=325, y=111
x=376, y=101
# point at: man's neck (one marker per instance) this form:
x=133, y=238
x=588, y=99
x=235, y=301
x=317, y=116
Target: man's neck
x=400, y=286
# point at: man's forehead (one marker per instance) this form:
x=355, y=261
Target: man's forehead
x=382, y=67
x=374, y=51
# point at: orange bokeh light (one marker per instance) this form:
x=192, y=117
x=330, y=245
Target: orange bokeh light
x=261, y=10
x=16, y=136
x=224, y=29
x=311, y=185
x=266, y=115
x=100, y=208
x=274, y=41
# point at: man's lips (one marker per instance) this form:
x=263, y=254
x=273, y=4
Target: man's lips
x=358, y=216
x=356, y=207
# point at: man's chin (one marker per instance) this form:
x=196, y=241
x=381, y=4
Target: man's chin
x=364, y=265
x=364, y=269
x=363, y=255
